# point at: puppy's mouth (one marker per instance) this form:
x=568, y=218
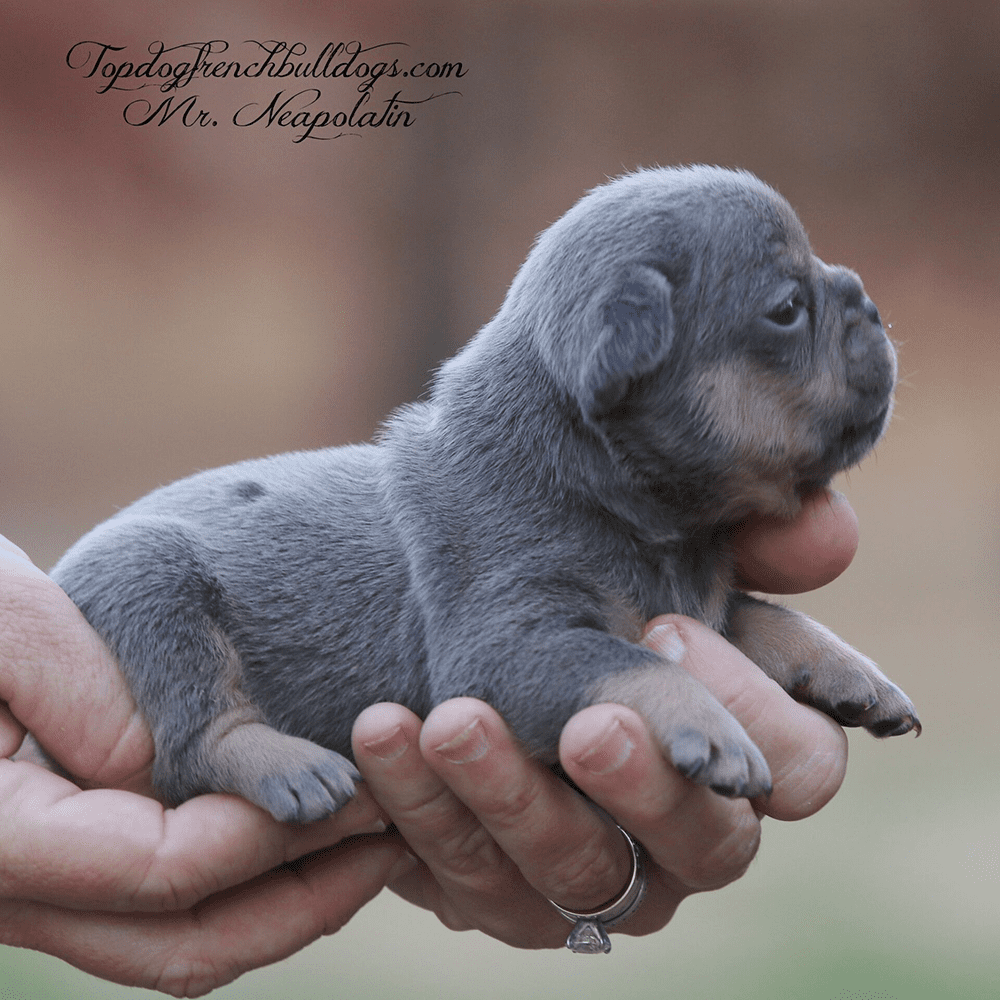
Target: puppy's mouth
x=864, y=434
x=855, y=440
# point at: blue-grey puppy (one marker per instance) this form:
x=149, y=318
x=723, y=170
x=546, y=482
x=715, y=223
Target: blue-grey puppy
x=670, y=358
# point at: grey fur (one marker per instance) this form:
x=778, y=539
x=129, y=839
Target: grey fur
x=575, y=472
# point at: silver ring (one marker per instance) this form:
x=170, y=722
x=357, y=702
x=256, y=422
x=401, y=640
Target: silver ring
x=589, y=934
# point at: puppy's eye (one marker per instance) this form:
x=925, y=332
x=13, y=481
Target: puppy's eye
x=788, y=313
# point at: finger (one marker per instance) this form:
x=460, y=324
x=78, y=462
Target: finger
x=498, y=832
x=193, y=952
x=461, y=875
x=11, y=555
x=562, y=846
x=11, y=732
x=114, y=850
x=698, y=839
x=61, y=682
x=805, y=750
x=778, y=556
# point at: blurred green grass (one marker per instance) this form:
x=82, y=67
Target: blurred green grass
x=845, y=958
x=884, y=895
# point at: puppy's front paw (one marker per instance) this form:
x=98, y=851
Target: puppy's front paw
x=729, y=763
x=817, y=667
x=848, y=686
x=697, y=735
x=295, y=780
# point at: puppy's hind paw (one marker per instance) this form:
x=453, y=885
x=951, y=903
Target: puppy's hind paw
x=295, y=780
x=311, y=792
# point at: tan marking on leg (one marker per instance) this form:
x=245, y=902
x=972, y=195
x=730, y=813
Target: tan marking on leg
x=694, y=730
x=817, y=666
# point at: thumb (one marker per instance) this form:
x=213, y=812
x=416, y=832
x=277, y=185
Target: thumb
x=60, y=682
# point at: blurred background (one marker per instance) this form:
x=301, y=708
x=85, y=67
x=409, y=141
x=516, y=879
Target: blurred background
x=180, y=297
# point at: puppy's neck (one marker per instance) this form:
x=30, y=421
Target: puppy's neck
x=504, y=419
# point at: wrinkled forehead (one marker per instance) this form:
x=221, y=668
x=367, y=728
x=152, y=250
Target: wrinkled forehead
x=753, y=225
x=745, y=241
x=711, y=223
x=712, y=232
x=789, y=242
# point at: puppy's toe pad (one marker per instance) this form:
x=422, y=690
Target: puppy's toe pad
x=848, y=711
x=691, y=753
x=892, y=718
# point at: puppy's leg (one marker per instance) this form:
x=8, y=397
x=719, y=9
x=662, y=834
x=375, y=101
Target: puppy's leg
x=817, y=667
x=143, y=585
x=698, y=736
x=559, y=675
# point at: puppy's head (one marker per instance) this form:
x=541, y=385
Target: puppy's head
x=724, y=366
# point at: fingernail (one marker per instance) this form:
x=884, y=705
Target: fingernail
x=610, y=753
x=666, y=640
x=391, y=747
x=469, y=745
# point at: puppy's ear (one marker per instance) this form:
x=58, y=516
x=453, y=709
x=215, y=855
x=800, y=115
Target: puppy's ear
x=637, y=330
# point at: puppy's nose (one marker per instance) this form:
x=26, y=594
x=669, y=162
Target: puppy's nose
x=862, y=328
x=865, y=343
x=860, y=313
x=870, y=357
x=871, y=311
x=845, y=286
x=868, y=352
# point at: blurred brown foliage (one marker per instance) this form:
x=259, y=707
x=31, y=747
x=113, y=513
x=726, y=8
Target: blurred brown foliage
x=180, y=297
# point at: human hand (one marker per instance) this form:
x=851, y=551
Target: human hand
x=494, y=835
x=179, y=900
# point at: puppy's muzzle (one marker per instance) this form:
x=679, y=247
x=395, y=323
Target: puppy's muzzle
x=869, y=357
x=868, y=362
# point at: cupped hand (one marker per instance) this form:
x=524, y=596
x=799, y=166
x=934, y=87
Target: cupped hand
x=494, y=835
x=180, y=900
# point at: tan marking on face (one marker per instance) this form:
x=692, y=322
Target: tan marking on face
x=624, y=620
x=759, y=416
x=768, y=427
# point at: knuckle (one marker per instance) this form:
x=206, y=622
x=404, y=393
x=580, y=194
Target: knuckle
x=724, y=861
x=512, y=808
x=471, y=853
x=588, y=877
x=188, y=976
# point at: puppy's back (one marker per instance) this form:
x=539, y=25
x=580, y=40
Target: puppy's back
x=293, y=558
